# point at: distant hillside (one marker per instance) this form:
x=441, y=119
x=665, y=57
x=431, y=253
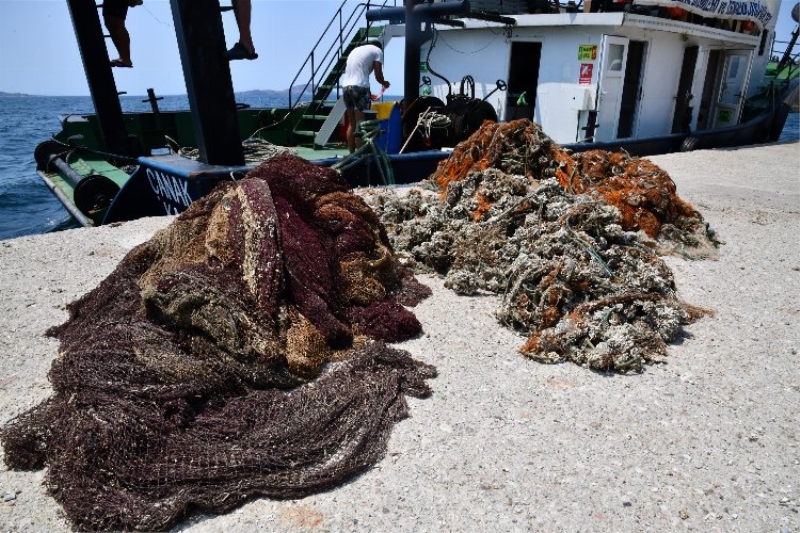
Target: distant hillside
x=282, y=94
x=13, y=94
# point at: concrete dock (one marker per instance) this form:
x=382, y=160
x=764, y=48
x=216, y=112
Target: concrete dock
x=708, y=441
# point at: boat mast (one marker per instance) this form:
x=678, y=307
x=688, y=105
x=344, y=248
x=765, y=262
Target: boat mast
x=201, y=42
x=97, y=67
x=414, y=15
x=414, y=41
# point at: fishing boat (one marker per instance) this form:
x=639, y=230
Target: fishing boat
x=645, y=76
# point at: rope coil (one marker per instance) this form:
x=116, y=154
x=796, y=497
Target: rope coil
x=369, y=130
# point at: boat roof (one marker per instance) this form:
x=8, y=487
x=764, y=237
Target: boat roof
x=610, y=20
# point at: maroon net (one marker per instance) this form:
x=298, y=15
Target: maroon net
x=194, y=377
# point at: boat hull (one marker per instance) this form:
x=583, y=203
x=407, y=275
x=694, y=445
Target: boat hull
x=166, y=185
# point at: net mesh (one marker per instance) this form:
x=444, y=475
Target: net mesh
x=571, y=242
x=194, y=376
x=644, y=194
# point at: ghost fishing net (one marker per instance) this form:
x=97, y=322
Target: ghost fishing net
x=556, y=235
x=194, y=377
x=643, y=193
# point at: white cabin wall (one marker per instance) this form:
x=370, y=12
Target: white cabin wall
x=561, y=101
x=485, y=54
x=560, y=98
x=481, y=54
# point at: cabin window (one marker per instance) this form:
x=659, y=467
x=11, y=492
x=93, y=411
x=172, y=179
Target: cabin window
x=763, y=45
x=733, y=69
x=615, y=54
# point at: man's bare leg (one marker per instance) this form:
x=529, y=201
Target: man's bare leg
x=120, y=37
x=243, y=9
x=350, y=115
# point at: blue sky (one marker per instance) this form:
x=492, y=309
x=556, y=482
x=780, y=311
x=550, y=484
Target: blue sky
x=39, y=55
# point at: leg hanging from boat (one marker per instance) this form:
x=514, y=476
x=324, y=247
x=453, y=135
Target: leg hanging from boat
x=114, y=14
x=244, y=49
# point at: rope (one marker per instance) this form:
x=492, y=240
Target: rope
x=256, y=149
x=370, y=130
x=435, y=120
x=107, y=155
x=428, y=121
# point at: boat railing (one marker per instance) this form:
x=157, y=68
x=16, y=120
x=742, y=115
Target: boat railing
x=325, y=61
x=788, y=66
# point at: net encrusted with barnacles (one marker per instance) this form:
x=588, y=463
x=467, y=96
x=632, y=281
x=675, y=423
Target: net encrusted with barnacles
x=240, y=352
x=569, y=241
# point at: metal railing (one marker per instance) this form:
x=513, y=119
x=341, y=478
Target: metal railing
x=325, y=62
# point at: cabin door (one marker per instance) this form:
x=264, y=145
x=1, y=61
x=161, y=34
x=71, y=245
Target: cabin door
x=613, y=58
x=709, y=83
x=631, y=90
x=731, y=88
x=682, y=118
x=523, y=79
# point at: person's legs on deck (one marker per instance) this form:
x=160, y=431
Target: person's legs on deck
x=114, y=13
x=243, y=11
x=356, y=100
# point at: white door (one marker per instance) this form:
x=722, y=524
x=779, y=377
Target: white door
x=613, y=57
x=735, y=65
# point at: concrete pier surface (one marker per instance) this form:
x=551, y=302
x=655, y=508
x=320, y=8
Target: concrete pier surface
x=708, y=441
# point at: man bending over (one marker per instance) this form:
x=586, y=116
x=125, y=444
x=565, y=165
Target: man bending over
x=361, y=62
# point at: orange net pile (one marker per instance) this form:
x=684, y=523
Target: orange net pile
x=643, y=193
x=511, y=213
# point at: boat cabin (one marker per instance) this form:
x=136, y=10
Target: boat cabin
x=606, y=71
x=647, y=76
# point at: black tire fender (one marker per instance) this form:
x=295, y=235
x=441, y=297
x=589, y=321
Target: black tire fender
x=690, y=144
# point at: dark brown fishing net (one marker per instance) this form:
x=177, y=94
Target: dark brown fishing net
x=574, y=275
x=194, y=377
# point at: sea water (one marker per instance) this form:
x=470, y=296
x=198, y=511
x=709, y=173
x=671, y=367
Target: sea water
x=27, y=206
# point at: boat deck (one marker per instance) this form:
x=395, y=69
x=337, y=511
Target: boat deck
x=313, y=154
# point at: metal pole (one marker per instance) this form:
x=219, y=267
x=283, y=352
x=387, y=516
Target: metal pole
x=201, y=42
x=411, y=70
x=97, y=67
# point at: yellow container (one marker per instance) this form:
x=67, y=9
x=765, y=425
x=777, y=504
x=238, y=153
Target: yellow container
x=383, y=109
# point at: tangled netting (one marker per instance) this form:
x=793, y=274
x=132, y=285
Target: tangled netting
x=574, y=276
x=643, y=193
x=192, y=377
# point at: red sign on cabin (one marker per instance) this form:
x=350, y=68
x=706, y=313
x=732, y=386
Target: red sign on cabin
x=586, y=74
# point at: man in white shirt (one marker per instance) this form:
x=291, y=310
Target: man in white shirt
x=362, y=61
